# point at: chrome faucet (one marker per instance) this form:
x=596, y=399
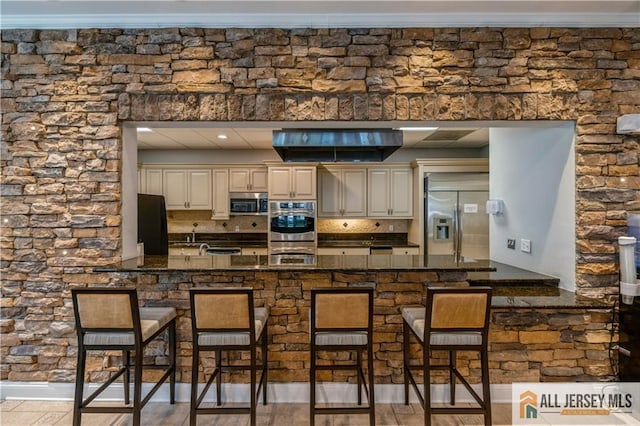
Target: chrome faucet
x=193, y=233
x=203, y=248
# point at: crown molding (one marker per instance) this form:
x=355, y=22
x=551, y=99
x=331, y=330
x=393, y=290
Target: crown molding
x=301, y=20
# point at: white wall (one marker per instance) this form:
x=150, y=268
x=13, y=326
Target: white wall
x=129, y=236
x=533, y=171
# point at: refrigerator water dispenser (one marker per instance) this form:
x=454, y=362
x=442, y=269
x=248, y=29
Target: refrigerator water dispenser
x=442, y=228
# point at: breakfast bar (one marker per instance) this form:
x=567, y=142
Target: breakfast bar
x=537, y=333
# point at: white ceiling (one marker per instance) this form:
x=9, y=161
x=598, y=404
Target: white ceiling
x=52, y=14
x=191, y=138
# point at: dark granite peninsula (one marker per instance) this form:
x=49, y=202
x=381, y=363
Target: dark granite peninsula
x=536, y=334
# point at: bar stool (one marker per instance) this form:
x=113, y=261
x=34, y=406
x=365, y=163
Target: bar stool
x=454, y=319
x=110, y=319
x=224, y=319
x=342, y=320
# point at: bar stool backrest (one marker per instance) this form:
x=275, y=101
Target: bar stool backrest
x=336, y=309
x=222, y=309
x=106, y=309
x=458, y=309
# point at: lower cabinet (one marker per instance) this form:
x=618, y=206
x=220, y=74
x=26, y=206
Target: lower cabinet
x=338, y=251
x=406, y=250
x=256, y=251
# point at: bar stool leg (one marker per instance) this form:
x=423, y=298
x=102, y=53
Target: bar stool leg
x=137, y=388
x=126, y=362
x=426, y=369
x=405, y=360
x=194, y=384
x=77, y=402
x=219, y=377
x=312, y=388
x=359, y=373
x=372, y=396
x=486, y=397
x=253, y=386
x=452, y=377
x=265, y=344
x=172, y=363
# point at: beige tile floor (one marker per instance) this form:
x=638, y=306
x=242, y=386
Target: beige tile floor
x=51, y=413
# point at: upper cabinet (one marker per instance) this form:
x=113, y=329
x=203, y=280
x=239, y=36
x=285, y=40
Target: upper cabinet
x=390, y=192
x=342, y=192
x=150, y=181
x=292, y=182
x=187, y=189
x=248, y=179
x=220, y=193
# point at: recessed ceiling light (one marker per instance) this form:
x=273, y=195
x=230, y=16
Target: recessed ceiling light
x=222, y=136
x=417, y=129
x=144, y=129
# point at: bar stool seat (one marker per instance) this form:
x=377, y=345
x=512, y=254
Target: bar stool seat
x=222, y=320
x=110, y=319
x=453, y=319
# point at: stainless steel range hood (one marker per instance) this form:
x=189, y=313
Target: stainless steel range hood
x=339, y=145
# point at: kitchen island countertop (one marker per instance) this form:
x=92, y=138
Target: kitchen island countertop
x=320, y=263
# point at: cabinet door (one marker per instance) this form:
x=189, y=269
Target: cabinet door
x=220, y=196
x=303, y=183
x=406, y=251
x=329, y=193
x=239, y=180
x=401, y=192
x=354, y=192
x=258, y=181
x=175, y=189
x=378, y=200
x=153, y=181
x=199, y=189
x=280, y=183
x=255, y=251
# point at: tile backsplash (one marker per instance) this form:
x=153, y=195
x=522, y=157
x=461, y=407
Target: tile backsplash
x=179, y=221
x=353, y=226
x=182, y=221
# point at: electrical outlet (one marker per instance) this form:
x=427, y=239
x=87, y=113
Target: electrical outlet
x=525, y=246
x=237, y=228
x=511, y=244
x=390, y=228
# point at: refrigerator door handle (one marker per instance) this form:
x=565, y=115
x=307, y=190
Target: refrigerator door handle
x=455, y=231
x=460, y=232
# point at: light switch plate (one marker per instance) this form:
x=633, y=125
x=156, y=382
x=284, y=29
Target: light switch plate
x=525, y=246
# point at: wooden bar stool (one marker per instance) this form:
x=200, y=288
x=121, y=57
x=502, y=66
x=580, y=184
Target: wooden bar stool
x=224, y=319
x=110, y=319
x=342, y=320
x=454, y=319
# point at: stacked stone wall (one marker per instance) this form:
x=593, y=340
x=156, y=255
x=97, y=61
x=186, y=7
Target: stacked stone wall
x=66, y=93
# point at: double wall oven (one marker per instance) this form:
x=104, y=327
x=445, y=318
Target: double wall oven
x=292, y=229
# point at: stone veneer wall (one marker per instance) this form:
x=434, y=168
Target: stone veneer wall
x=525, y=345
x=65, y=94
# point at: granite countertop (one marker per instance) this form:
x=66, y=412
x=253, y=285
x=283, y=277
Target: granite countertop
x=321, y=263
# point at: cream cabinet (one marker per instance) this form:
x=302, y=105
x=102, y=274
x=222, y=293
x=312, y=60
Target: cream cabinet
x=390, y=192
x=150, y=181
x=187, y=189
x=342, y=192
x=341, y=251
x=220, y=193
x=292, y=183
x=254, y=251
x=406, y=250
x=248, y=179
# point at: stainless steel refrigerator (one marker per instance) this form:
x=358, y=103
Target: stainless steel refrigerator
x=456, y=221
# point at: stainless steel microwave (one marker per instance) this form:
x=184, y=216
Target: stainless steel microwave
x=248, y=203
